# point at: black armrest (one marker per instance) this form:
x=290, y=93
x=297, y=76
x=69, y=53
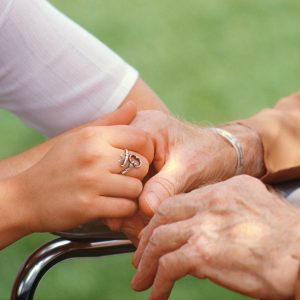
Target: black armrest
x=290, y=190
x=54, y=252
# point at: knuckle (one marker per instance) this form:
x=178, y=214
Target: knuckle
x=87, y=179
x=86, y=156
x=165, y=207
x=143, y=136
x=167, y=185
x=87, y=133
x=87, y=153
x=155, y=237
x=217, y=196
x=84, y=203
x=202, y=249
x=163, y=263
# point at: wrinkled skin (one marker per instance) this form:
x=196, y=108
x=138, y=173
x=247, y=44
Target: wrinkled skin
x=186, y=157
x=236, y=233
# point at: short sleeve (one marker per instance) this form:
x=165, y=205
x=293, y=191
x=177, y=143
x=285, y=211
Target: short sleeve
x=54, y=75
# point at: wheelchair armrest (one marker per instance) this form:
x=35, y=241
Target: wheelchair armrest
x=58, y=250
x=93, y=239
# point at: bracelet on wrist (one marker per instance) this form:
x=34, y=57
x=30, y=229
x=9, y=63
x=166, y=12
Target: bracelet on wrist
x=236, y=144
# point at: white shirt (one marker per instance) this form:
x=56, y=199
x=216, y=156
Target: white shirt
x=53, y=74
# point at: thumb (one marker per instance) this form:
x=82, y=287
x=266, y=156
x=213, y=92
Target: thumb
x=122, y=116
x=163, y=185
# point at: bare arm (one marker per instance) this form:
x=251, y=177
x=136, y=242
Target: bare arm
x=61, y=82
x=145, y=98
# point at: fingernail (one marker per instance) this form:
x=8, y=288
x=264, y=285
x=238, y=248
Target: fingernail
x=134, y=283
x=152, y=201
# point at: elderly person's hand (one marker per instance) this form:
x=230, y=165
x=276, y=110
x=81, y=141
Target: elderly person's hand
x=187, y=156
x=236, y=233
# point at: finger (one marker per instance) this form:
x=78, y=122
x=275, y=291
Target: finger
x=157, y=189
x=172, y=267
x=117, y=158
x=132, y=233
x=121, y=186
x=165, y=239
x=122, y=116
x=133, y=139
x=114, y=224
x=132, y=227
x=173, y=210
x=166, y=183
x=109, y=207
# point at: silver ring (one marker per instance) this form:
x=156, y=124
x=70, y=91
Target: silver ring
x=128, y=161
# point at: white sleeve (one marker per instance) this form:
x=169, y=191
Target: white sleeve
x=53, y=74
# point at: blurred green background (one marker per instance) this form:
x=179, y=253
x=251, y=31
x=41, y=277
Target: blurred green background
x=210, y=61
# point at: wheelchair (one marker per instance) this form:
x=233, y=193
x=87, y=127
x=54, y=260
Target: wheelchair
x=91, y=240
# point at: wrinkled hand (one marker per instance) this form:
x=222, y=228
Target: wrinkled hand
x=186, y=157
x=236, y=233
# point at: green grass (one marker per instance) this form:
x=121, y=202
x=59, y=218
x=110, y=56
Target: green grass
x=211, y=61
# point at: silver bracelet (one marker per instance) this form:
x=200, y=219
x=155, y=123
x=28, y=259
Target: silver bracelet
x=236, y=144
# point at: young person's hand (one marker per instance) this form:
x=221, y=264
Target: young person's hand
x=79, y=178
x=16, y=164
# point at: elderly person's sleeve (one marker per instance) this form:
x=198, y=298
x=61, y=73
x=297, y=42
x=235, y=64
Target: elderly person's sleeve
x=279, y=130
x=53, y=74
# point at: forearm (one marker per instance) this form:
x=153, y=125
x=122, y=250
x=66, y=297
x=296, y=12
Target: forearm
x=16, y=164
x=13, y=219
x=145, y=98
x=278, y=129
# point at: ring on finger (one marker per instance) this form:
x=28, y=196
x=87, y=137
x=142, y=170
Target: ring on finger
x=129, y=161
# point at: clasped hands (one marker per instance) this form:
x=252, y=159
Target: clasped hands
x=222, y=231
x=236, y=231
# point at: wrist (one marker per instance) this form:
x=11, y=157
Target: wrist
x=14, y=219
x=236, y=145
x=213, y=159
x=252, y=149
